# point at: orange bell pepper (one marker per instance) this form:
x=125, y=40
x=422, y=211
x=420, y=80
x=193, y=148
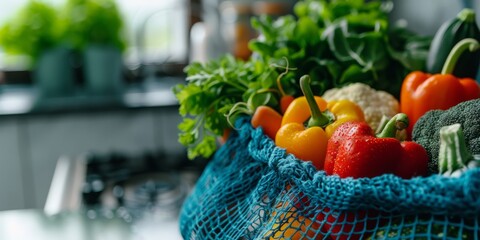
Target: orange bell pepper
x=422, y=92
x=310, y=143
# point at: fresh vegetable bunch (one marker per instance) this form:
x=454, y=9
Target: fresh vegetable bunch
x=334, y=42
x=341, y=48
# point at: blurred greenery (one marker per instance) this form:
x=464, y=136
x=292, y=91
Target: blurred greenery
x=39, y=26
x=32, y=30
x=92, y=21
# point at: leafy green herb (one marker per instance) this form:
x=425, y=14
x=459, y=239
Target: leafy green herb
x=211, y=92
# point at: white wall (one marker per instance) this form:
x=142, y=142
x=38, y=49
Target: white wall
x=426, y=16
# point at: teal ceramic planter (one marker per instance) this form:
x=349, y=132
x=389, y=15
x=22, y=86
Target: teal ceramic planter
x=54, y=74
x=103, y=70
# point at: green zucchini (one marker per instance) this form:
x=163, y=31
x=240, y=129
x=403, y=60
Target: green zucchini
x=451, y=32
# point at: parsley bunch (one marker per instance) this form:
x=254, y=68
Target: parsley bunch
x=212, y=90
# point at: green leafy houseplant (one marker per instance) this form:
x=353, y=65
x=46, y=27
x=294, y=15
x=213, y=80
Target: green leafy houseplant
x=88, y=22
x=94, y=28
x=30, y=32
x=35, y=32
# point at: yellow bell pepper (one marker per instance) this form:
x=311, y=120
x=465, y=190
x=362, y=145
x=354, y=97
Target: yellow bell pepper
x=310, y=143
x=291, y=225
x=344, y=111
x=299, y=111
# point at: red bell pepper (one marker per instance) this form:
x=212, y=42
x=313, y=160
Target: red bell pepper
x=354, y=151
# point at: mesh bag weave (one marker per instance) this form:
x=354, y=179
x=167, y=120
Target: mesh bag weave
x=252, y=189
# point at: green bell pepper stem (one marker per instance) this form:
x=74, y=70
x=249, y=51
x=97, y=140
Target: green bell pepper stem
x=396, y=123
x=456, y=52
x=318, y=118
x=453, y=154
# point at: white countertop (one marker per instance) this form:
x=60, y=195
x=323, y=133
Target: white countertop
x=35, y=224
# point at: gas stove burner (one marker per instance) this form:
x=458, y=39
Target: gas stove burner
x=153, y=192
x=135, y=186
x=92, y=189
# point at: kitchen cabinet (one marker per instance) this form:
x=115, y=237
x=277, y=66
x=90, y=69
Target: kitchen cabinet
x=74, y=134
x=31, y=146
x=12, y=166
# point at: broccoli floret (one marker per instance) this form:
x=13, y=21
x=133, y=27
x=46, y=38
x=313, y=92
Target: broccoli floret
x=426, y=131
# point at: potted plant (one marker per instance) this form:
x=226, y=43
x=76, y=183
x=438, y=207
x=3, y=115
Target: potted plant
x=95, y=28
x=34, y=32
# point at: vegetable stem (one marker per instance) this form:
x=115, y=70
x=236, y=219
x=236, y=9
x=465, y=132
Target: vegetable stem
x=381, y=125
x=279, y=83
x=237, y=86
x=318, y=118
x=457, y=51
x=396, y=123
x=453, y=154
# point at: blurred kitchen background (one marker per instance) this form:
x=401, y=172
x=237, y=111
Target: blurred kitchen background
x=88, y=122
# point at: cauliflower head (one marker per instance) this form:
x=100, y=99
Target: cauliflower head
x=374, y=103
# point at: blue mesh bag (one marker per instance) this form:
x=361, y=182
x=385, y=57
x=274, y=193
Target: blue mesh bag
x=254, y=190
